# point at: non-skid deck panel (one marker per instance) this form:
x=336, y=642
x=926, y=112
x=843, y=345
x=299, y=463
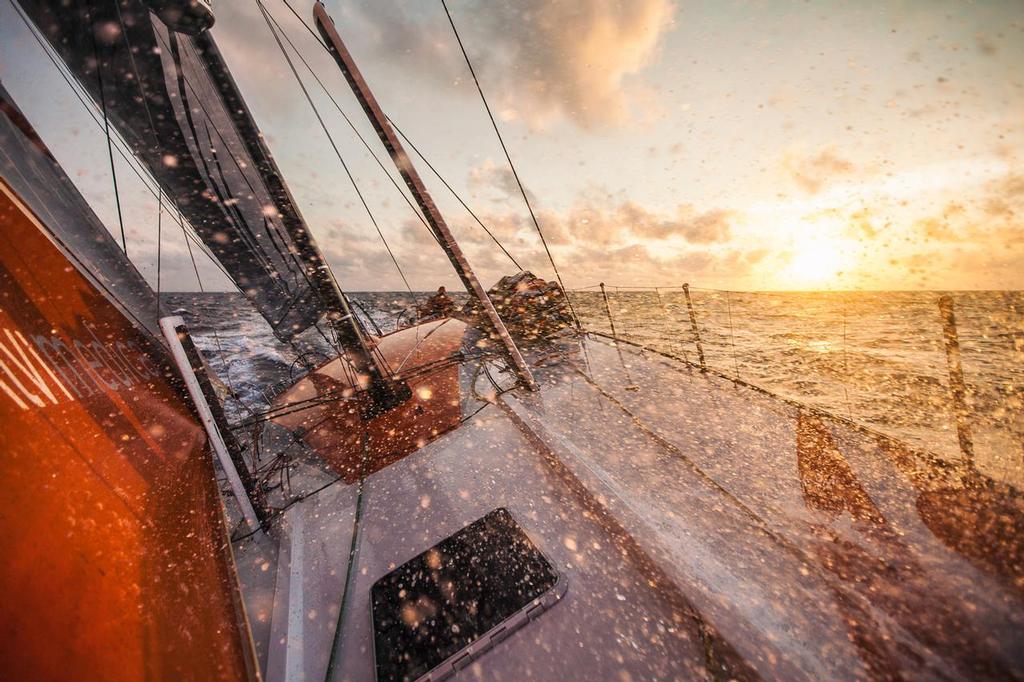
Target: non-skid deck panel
x=316, y=540
x=765, y=600
x=801, y=575
x=860, y=508
x=256, y=560
x=612, y=624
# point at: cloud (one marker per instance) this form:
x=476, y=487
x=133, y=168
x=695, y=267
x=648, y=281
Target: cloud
x=1005, y=198
x=601, y=220
x=705, y=228
x=572, y=57
x=985, y=45
x=539, y=60
x=938, y=229
x=813, y=171
x=861, y=225
x=687, y=223
x=490, y=175
x=994, y=216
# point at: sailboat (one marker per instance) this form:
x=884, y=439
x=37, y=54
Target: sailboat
x=466, y=502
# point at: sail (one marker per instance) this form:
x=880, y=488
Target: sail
x=173, y=100
x=27, y=167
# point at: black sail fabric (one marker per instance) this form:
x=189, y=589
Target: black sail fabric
x=171, y=97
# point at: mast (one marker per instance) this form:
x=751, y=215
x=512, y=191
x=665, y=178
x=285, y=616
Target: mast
x=412, y=178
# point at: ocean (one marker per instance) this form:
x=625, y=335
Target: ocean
x=877, y=358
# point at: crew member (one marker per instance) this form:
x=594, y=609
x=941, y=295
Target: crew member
x=438, y=305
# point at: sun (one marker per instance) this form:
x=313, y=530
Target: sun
x=816, y=263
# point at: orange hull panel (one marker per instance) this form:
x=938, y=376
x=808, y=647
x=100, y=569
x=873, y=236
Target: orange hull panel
x=114, y=561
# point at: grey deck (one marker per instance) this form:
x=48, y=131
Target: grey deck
x=688, y=527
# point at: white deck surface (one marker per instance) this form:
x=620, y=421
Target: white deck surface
x=705, y=478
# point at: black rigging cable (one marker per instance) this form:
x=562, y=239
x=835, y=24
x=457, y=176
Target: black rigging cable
x=407, y=140
x=106, y=127
x=159, y=243
x=508, y=157
x=351, y=125
x=306, y=26
x=456, y=195
x=330, y=138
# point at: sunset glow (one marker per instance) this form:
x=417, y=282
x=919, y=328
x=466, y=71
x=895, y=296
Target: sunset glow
x=853, y=145
x=815, y=266
x=512, y=339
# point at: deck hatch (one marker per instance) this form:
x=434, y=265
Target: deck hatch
x=437, y=612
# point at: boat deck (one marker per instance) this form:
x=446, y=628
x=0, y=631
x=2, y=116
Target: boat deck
x=705, y=529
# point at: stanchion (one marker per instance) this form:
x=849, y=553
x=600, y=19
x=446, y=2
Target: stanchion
x=608, y=309
x=222, y=440
x=694, y=328
x=630, y=385
x=956, y=378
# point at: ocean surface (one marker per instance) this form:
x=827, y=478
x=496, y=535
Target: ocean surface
x=878, y=358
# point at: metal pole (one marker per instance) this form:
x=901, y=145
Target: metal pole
x=608, y=308
x=956, y=377
x=412, y=178
x=693, y=327
x=229, y=453
x=630, y=386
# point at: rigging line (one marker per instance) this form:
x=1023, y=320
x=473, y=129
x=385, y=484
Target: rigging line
x=374, y=155
x=291, y=65
x=120, y=145
x=352, y=125
x=203, y=248
x=216, y=336
x=106, y=127
x=511, y=165
x=138, y=78
x=846, y=367
x=419, y=342
x=309, y=28
x=195, y=267
x=353, y=555
x=156, y=140
x=159, y=244
x=330, y=138
x=455, y=194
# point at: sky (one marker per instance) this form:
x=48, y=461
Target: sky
x=740, y=145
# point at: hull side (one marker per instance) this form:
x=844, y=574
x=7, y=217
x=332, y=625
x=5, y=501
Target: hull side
x=115, y=560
